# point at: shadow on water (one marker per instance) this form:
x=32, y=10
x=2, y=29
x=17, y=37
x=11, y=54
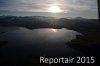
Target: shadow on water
x=2, y=43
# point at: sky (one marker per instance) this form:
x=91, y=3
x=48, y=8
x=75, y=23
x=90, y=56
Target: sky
x=69, y=8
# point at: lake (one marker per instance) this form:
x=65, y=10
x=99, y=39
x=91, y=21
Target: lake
x=23, y=42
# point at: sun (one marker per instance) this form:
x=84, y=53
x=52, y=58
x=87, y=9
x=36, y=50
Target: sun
x=54, y=9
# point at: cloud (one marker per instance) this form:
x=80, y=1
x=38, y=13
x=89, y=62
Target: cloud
x=41, y=4
x=70, y=6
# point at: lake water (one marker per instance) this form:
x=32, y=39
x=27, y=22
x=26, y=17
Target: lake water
x=23, y=42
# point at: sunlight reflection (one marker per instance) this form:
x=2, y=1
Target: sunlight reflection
x=54, y=30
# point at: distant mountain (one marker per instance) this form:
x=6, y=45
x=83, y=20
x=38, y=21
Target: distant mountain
x=31, y=22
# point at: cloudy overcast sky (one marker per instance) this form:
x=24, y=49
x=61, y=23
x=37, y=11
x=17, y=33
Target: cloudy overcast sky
x=71, y=7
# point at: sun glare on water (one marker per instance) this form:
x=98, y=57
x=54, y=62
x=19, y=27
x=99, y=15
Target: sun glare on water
x=54, y=9
x=54, y=30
